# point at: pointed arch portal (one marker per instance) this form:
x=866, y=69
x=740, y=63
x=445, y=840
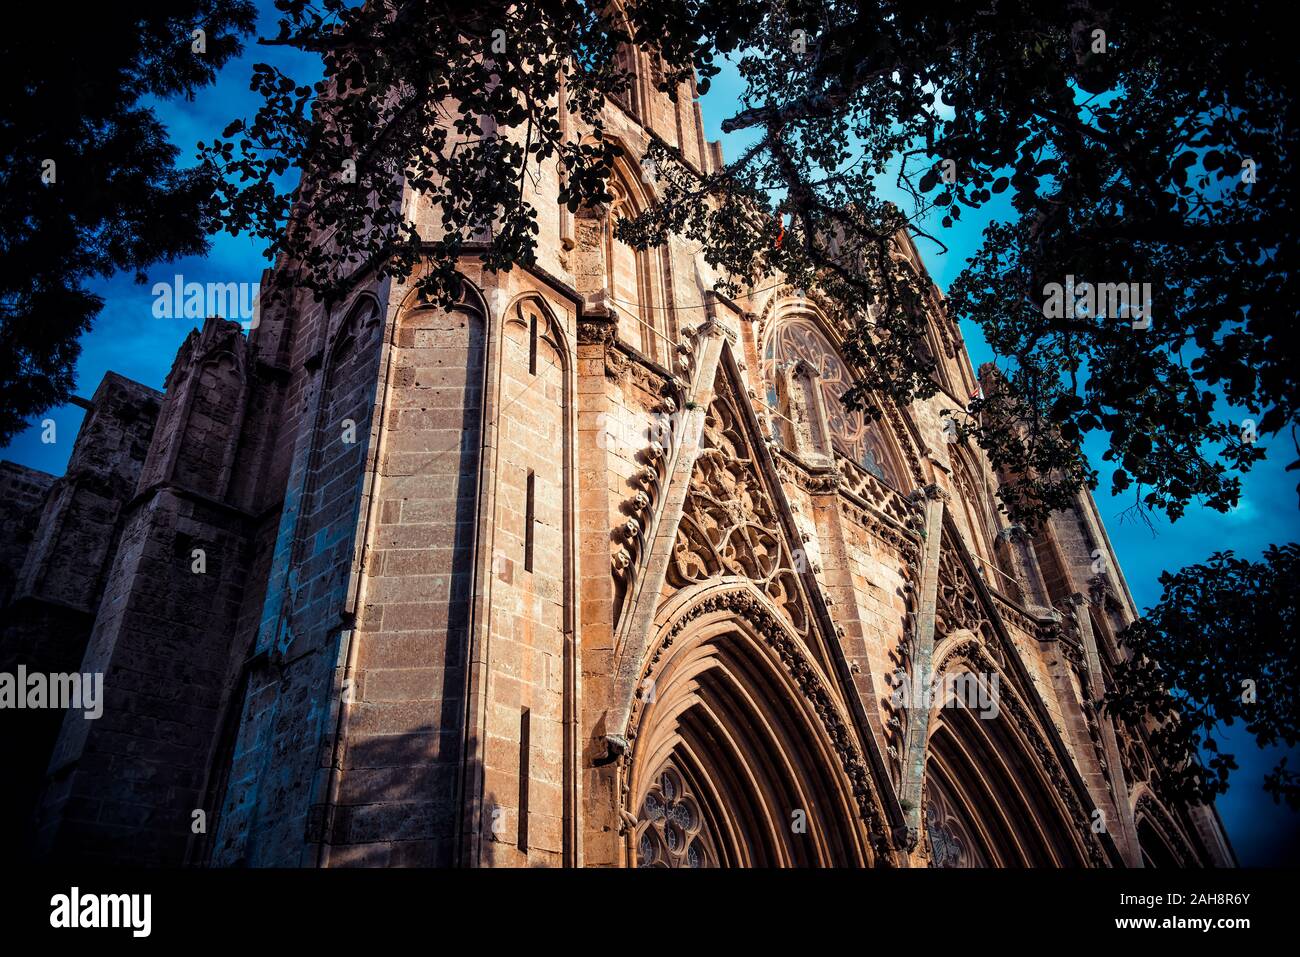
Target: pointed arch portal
x=987, y=801
x=740, y=758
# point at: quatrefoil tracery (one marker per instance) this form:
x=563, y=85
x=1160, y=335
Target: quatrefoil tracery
x=669, y=829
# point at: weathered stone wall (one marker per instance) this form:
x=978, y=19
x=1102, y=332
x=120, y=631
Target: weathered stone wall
x=74, y=541
x=523, y=660
x=125, y=787
x=271, y=809
x=52, y=600
x=404, y=739
x=22, y=499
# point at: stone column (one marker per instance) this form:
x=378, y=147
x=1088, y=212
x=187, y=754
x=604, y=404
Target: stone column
x=918, y=724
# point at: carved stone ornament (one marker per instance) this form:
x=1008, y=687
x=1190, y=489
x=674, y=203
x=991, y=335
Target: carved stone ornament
x=729, y=524
x=597, y=330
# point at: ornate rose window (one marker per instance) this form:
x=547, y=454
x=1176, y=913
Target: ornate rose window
x=669, y=826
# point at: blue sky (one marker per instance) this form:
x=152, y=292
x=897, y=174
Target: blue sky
x=129, y=340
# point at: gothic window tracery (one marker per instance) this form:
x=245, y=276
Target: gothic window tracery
x=670, y=826
x=1156, y=852
x=950, y=842
x=980, y=522
x=729, y=524
x=854, y=436
x=945, y=846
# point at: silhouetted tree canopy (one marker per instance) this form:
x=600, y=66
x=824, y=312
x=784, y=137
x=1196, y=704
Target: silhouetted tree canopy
x=1222, y=646
x=88, y=179
x=1137, y=143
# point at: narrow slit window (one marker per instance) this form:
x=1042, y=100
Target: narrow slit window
x=529, y=522
x=525, y=721
x=532, y=345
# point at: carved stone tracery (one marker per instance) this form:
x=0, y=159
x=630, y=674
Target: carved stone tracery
x=948, y=841
x=1151, y=813
x=958, y=605
x=811, y=341
x=730, y=525
x=670, y=826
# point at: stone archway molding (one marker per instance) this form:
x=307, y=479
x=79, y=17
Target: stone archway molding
x=738, y=600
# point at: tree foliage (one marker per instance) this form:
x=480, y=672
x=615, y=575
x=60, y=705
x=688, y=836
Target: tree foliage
x=1221, y=646
x=1145, y=143
x=88, y=181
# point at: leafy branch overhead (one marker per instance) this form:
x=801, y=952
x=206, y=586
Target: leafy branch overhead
x=1122, y=144
x=90, y=185
x=1221, y=646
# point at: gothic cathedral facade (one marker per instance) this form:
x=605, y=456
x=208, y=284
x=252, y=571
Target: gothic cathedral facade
x=592, y=569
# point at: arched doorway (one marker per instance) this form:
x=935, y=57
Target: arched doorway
x=739, y=756
x=988, y=800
